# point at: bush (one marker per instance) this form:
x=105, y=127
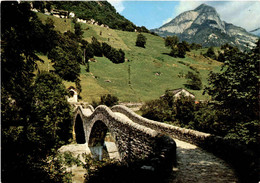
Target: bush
x=108, y=100
x=116, y=56
x=194, y=81
x=211, y=53
x=96, y=46
x=140, y=40
x=179, y=111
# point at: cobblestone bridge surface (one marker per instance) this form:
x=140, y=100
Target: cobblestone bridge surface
x=193, y=164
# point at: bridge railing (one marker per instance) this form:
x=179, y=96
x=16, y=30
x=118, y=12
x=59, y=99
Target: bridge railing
x=192, y=136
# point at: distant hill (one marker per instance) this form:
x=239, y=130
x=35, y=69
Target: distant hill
x=101, y=11
x=203, y=25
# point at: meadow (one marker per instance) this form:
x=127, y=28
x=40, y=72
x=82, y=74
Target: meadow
x=146, y=73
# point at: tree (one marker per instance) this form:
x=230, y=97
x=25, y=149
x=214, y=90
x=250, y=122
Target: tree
x=78, y=30
x=171, y=41
x=235, y=95
x=116, y=56
x=141, y=40
x=210, y=53
x=64, y=64
x=195, y=46
x=106, y=50
x=186, y=45
x=21, y=34
x=89, y=52
x=226, y=52
x=177, y=49
x=108, y=100
x=51, y=118
x=96, y=47
x=181, y=50
x=194, y=81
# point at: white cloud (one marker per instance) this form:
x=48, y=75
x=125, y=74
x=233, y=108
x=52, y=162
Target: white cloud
x=185, y=6
x=182, y=7
x=118, y=4
x=245, y=14
x=241, y=13
x=166, y=21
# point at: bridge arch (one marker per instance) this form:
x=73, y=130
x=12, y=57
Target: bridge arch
x=102, y=141
x=79, y=132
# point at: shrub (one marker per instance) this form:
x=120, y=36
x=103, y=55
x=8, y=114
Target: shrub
x=108, y=100
x=140, y=40
x=193, y=81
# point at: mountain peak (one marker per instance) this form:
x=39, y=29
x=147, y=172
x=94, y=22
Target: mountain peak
x=203, y=25
x=205, y=8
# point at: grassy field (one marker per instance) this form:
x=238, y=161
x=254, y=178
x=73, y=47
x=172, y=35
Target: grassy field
x=147, y=73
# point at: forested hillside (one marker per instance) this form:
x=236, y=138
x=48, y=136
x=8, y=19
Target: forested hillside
x=101, y=11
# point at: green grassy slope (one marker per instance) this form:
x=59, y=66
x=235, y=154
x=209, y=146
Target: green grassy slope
x=144, y=64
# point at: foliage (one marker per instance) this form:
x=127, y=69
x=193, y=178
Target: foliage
x=195, y=46
x=67, y=56
x=211, y=53
x=235, y=92
x=101, y=171
x=171, y=41
x=226, y=52
x=78, y=30
x=179, y=111
x=51, y=112
x=186, y=46
x=182, y=48
x=193, y=81
x=177, y=49
x=102, y=12
x=140, y=40
x=64, y=64
x=108, y=100
x=24, y=123
x=89, y=51
x=142, y=29
x=235, y=99
x=96, y=47
x=116, y=56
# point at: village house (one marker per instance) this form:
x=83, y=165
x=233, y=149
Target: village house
x=73, y=95
x=180, y=91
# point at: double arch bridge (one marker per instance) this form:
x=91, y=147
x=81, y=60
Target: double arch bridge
x=133, y=139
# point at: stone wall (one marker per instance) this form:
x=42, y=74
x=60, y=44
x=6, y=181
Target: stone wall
x=191, y=136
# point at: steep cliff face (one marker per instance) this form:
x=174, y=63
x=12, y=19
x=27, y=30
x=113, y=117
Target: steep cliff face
x=203, y=25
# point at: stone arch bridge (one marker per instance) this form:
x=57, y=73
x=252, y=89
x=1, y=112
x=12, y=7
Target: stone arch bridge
x=133, y=141
x=138, y=138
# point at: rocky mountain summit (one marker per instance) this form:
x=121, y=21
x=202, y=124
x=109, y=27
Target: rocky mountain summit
x=203, y=25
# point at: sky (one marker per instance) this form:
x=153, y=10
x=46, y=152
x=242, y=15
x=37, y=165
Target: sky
x=153, y=14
